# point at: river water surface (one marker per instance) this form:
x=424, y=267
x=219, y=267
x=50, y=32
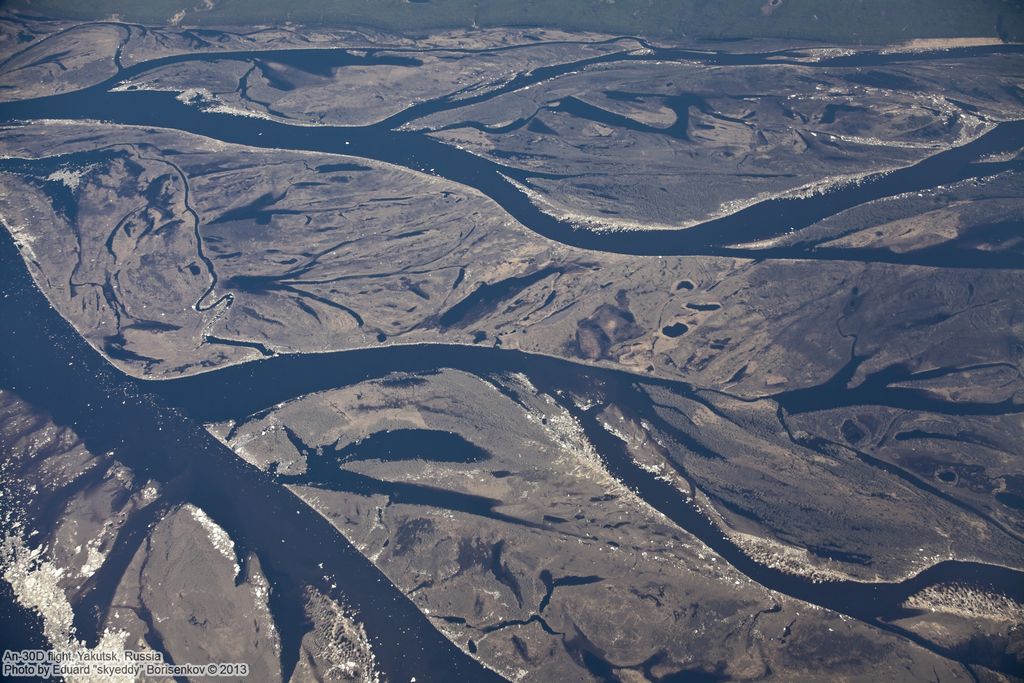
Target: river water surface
x=155, y=427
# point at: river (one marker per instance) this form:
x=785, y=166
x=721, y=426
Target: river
x=155, y=427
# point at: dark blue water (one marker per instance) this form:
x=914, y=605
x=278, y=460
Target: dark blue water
x=418, y=151
x=45, y=362
x=154, y=427
x=412, y=444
